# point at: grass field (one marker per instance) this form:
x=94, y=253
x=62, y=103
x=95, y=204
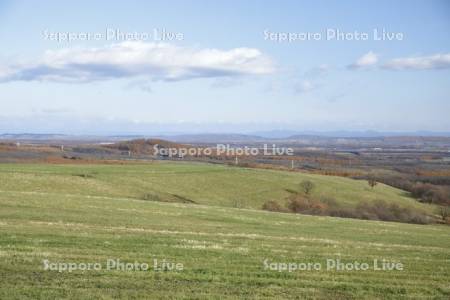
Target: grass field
x=207, y=184
x=88, y=214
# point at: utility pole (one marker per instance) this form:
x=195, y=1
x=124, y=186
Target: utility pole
x=292, y=164
x=236, y=161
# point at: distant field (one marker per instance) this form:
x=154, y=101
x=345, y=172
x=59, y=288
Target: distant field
x=207, y=184
x=222, y=249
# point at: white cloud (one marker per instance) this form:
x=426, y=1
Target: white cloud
x=305, y=86
x=157, y=61
x=437, y=61
x=367, y=60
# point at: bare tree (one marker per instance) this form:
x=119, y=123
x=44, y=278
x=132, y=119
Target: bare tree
x=444, y=212
x=306, y=187
x=372, y=182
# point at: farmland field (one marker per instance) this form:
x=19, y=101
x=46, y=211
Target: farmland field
x=199, y=183
x=92, y=213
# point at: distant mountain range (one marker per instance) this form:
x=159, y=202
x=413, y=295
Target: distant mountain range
x=213, y=137
x=335, y=140
x=345, y=134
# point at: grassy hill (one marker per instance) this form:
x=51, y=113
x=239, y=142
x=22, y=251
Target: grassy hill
x=207, y=184
x=48, y=213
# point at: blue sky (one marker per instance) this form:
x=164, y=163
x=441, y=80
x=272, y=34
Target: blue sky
x=224, y=75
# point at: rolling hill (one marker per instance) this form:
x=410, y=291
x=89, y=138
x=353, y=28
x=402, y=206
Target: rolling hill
x=223, y=251
x=199, y=183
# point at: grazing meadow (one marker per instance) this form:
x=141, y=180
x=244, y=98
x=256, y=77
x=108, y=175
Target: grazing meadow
x=201, y=231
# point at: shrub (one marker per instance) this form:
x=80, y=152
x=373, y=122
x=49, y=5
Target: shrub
x=346, y=213
x=306, y=187
x=428, y=189
x=444, y=213
x=372, y=182
x=376, y=210
x=381, y=210
x=272, y=206
x=430, y=193
x=299, y=204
